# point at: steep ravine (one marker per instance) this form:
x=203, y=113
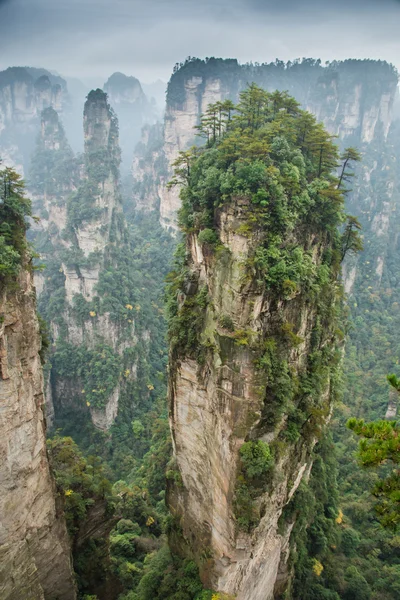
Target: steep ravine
x=34, y=546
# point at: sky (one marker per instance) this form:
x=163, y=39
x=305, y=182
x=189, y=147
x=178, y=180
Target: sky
x=91, y=39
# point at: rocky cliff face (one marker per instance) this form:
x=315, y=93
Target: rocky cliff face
x=353, y=99
x=34, y=546
x=134, y=110
x=24, y=93
x=53, y=178
x=252, y=369
x=81, y=221
x=149, y=169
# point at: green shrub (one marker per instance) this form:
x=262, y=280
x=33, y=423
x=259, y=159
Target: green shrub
x=207, y=236
x=14, y=208
x=226, y=322
x=256, y=459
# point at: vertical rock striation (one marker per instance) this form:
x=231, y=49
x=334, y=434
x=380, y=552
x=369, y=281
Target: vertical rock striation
x=254, y=354
x=149, y=169
x=81, y=215
x=34, y=546
x=134, y=110
x=24, y=93
x=86, y=292
x=216, y=407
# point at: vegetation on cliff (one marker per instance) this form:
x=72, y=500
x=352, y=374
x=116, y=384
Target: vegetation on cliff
x=362, y=559
x=53, y=166
x=268, y=150
x=380, y=445
x=281, y=75
x=15, y=208
x=283, y=169
x=341, y=551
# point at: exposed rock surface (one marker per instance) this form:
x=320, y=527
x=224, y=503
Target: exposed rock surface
x=133, y=109
x=215, y=407
x=34, y=547
x=149, y=169
x=80, y=206
x=353, y=99
x=24, y=93
x=391, y=411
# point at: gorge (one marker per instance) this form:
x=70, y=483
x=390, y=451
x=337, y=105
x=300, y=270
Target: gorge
x=256, y=334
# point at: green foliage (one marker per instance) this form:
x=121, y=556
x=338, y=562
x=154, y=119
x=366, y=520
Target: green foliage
x=86, y=492
x=280, y=158
x=97, y=369
x=357, y=587
x=394, y=381
x=351, y=241
x=101, y=162
x=131, y=289
x=256, y=459
x=350, y=541
x=81, y=206
x=137, y=428
x=281, y=386
x=207, y=236
x=372, y=351
x=348, y=158
x=381, y=443
x=10, y=259
x=80, y=481
x=216, y=119
x=186, y=314
x=255, y=464
x=226, y=322
x=314, y=512
x=167, y=578
x=14, y=209
x=53, y=167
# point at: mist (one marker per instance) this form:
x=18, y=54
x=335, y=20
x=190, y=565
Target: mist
x=90, y=39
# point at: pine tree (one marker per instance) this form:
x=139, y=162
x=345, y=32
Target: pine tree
x=380, y=444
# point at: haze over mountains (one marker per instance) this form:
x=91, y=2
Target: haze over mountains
x=199, y=300
x=145, y=39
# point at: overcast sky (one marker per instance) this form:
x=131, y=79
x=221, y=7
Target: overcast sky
x=145, y=38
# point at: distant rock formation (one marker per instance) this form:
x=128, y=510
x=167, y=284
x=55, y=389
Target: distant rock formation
x=24, y=93
x=134, y=110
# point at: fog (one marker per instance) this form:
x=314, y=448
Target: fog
x=90, y=39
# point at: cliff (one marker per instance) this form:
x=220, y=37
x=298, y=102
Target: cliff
x=134, y=110
x=34, y=546
x=352, y=98
x=90, y=292
x=355, y=99
x=254, y=353
x=54, y=176
x=24, y=93
x=80, y=209
x=149, y=167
